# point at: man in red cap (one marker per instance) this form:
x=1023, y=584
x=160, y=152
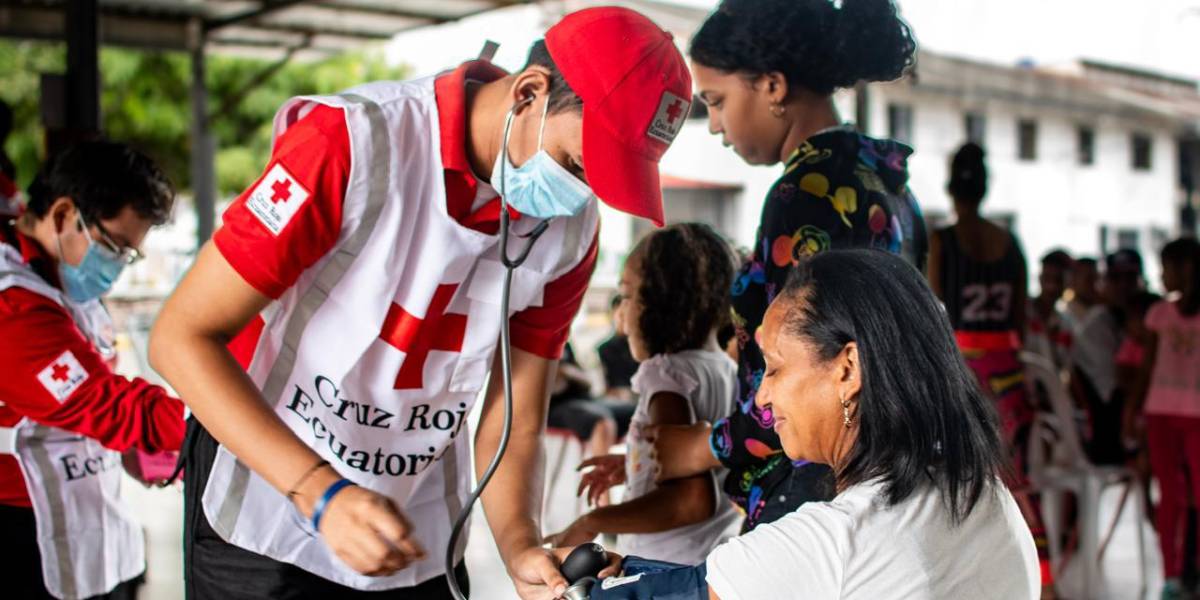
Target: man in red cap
x=334, y=335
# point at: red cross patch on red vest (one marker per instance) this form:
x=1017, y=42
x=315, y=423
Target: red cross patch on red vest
x=63, y=376
x=276, y=199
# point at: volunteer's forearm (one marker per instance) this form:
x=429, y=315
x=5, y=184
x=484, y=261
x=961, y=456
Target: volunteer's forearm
x=119, y=413
x=513, y=499
x=674, y=504
x=188, y=347
x=231, y=408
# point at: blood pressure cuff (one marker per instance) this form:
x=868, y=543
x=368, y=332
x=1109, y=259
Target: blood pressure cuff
x=644, y=579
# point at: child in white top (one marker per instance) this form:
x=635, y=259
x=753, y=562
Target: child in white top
x=675, y=289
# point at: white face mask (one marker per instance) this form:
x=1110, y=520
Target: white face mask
x=541, y=187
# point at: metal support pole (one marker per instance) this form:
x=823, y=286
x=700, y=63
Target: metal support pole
x=203, y=147
x=83, y=70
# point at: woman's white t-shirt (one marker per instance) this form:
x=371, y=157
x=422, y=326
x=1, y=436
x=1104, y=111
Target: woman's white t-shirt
x=708, y=381
x=856, y=547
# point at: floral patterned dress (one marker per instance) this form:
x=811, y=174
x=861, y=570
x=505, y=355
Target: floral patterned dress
x=840, y=189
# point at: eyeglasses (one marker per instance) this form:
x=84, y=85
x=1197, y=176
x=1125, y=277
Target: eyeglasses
x=127, y=254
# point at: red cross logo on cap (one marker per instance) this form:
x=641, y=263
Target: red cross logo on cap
x=416, y=337
x=674, y=111
x=281, y=191
x=59, y=372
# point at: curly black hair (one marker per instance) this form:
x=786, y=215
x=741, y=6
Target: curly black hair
x=814, y=44
x=687, y=271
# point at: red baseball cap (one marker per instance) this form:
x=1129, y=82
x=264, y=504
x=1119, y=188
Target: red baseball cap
x=636, y=92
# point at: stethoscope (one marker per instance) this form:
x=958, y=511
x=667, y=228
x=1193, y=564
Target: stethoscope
x=510, y=264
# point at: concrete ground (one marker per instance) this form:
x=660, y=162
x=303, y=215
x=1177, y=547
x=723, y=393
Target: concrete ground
x=161, y=512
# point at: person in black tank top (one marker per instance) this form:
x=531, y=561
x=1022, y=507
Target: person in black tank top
x=978, y=270
x=983, y=287
x=981, y=295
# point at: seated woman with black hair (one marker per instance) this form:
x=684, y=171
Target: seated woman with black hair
x=863, y=374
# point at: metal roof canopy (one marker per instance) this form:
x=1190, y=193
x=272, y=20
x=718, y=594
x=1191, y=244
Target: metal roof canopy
x=261, y=28
x=281, y=29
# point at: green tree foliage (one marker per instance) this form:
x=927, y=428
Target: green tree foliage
x=21, y=64
x=145, y=102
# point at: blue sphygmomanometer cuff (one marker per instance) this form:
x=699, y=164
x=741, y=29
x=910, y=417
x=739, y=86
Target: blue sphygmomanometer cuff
x=644, y=579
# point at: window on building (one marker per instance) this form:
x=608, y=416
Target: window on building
x=900, y=123
x=1086, y=145
x=976, y=126
x=1143, y=152
x=1027, y=139
x=1127, y=239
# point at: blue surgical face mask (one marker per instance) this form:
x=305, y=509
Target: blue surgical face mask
x=541, y=187
x=94, y=275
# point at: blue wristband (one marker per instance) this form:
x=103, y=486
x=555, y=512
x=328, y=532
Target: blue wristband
x=330, y=492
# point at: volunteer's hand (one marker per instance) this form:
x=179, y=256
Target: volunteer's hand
x=579, y=532
x=363, y=528
x=535, y=574
x=681, y=450
x=606, y=471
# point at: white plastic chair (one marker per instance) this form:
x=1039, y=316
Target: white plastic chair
x=1058, y=464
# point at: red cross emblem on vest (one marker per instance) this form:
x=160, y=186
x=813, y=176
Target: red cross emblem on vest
x=60, y=372
x=416, y=337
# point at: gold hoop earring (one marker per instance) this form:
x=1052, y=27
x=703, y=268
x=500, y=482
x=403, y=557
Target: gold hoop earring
x=846, y=413
x=778, y=110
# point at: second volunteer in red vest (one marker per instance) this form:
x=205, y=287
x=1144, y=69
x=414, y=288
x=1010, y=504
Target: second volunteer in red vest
x=333, y=337
x=65, y=415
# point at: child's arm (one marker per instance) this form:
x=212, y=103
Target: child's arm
x=1140, y=388
x=671, y=505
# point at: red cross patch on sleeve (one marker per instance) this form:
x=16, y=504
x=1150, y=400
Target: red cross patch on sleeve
x=63, y=376
x=276, y=199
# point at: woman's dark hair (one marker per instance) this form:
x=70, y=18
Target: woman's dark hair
x=814, y=44
x=103, y=178
x=687, y=270
x=1185, y=252
x=922, y=417
x=562, y=97
x=968, y=174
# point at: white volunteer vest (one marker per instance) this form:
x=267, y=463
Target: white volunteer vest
x=388, y=414
x=89, y=540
